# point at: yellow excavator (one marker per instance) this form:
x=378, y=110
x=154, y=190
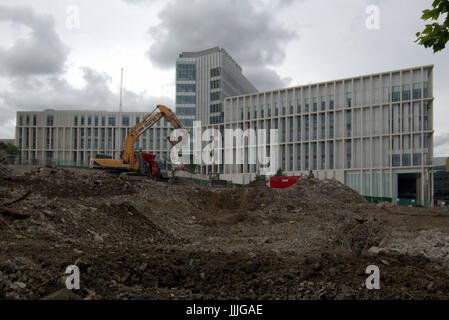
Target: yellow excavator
x=141, y=162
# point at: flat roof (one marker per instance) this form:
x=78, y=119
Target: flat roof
x=430, y=66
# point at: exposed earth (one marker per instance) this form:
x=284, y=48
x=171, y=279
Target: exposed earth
x=135, y=238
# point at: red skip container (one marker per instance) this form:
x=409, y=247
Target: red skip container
x=283, y=182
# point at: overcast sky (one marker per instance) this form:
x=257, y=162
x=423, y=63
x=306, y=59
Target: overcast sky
x=68, y=53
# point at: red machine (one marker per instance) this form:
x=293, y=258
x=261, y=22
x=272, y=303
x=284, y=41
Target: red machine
x=154, y=169
x=283, y=182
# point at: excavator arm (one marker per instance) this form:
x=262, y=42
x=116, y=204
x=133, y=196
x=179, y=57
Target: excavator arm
x=129, y=158
x=128, y=155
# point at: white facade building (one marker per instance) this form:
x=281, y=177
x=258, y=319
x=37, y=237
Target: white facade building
x=69, y=137
x=373, y=132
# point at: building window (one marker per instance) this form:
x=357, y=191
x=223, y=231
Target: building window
x=323, y=103
x=348, y=123
x=396, y=160
x=348, y=99
x=216, y=108
x=323, y=156
x=331, y=155
x=103, y=121
x=96, y=121
x=49, y=120
x=185, y=70
x=215, y=84
x=426, y=90
x=283, y=129
x=417, y=159
x=82, y=121
x=314, y=127
x=396, y=93
x=185, y=88
x=406, y=92
x=185, y=99
x=187, y=122
x=298, y=157
x=315, y=104
x=20, y=120
x=348, y=154
x=298, y=124
x=323, y=126
x=331, y=102
x=406, y=162
x=306, y=127
x=314, y=156
x=215, y=96
x=215, y=72
x=111, y=121
x=306, y=105
x=306, y=156
x=186, y=111
x=426, y=116
x=299, y=107
x=417, y=90
x=34, y=120
x=89, y=121
x=331, y=125
x=125, y=121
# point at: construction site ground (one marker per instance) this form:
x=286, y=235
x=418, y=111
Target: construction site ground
x=136, y=238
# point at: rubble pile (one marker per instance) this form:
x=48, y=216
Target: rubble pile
x=432, y=244
x=135, y=238
x=5, y=170
x=67, y=183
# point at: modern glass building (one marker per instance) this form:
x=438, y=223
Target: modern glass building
x=203, y=80
x=372, y=132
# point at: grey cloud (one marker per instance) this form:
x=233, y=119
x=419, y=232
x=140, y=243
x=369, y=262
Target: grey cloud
x=42, y=53
x=266, y=79
x=56, y=93
x=441, y=140
x=249, y=33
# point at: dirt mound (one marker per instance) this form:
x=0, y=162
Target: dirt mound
x=308, y=194
x=5, y=170
x=168, y=274
x=66, y=183
x=135, y=238
x=329, y=192
x=179, y=181
x=359, y=233
x=251, y=197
